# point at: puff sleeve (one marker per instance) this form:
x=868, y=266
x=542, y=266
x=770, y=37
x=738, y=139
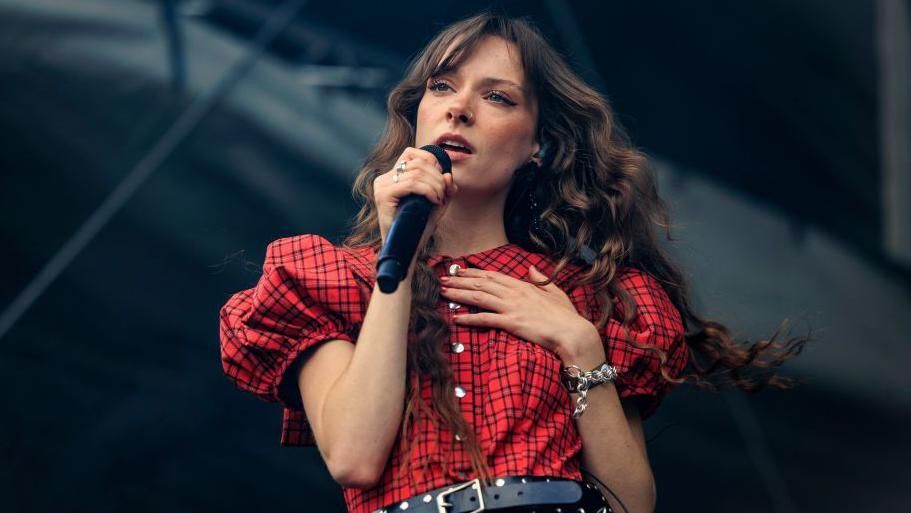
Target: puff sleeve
x=307, y=294
x=657, y=325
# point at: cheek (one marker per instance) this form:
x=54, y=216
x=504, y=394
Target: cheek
x=431, y=115
x=419, y=117
x=514, y=138
x=422, y=109
x=422, y=118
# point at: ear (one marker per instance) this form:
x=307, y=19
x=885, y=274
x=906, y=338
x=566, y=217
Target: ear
x=536, y=156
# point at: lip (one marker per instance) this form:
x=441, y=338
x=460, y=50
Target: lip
x=457, y=156
x=458, y=138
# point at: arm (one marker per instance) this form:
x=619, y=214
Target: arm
x=612, y=438
x=613, y=441
x=289, y=339
x=354, y=394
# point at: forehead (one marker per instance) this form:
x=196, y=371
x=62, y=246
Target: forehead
x=491, y=56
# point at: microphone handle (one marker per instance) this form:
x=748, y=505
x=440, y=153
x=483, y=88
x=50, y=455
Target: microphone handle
x=402, y=241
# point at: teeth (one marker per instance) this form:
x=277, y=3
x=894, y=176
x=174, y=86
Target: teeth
x=453, y=143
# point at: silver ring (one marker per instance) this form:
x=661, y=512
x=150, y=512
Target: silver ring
x=399, y=171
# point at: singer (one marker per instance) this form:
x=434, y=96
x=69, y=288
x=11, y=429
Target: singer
x=539, y=321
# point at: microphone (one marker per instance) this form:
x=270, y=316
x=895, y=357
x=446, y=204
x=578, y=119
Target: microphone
x=405, y=232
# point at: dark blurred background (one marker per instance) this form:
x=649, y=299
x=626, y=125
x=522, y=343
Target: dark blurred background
x=151, y=150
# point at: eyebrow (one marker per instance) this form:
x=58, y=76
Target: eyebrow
x=499, y=81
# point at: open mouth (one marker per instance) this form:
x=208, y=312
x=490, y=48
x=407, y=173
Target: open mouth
x=456, y=148
x=455, y=144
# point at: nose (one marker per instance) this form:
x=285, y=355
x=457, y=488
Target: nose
x=459, y=109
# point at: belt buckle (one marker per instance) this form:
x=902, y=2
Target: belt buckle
x=474, y=483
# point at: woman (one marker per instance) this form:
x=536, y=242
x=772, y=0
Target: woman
x=538, y=324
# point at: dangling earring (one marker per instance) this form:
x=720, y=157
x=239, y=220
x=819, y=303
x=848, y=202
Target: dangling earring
x=537, y=164
x=533, y=212
x=532, y=200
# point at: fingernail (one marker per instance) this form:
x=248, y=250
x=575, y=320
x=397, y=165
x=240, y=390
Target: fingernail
x=444, y=278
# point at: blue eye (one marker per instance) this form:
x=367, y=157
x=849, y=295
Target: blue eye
x=435, y=85
x=494, y=96
x=497, y=97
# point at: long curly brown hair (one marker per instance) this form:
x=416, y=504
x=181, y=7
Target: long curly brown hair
x=596, y=190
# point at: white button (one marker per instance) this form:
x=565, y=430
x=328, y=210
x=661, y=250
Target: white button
x=457, y=347
x=428, y=498
x=459, y=438
x=460, y=392
x=500, y=482
x=454, y=306
x=454, y=269
x=404, y=505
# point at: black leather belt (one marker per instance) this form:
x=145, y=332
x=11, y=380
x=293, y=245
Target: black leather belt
x=537, y=494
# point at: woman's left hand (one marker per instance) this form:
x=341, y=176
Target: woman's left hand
x=541, y=314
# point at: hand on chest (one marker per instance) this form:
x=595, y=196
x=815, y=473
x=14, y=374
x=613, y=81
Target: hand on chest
x=481, y=299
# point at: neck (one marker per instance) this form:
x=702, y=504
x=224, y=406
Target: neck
x=471, y=225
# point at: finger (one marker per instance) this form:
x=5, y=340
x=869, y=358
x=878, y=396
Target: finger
x=486, y=286
x=420, y=174
x=436, y=184
x=480, y=285
x=476, y=279
x=482, y=319
x=422, y=155
x=450, y=185
x=479, y=298
x=426, y=172
x=413, y=185
x=538, y=276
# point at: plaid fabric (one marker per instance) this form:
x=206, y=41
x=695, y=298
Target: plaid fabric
x=311, y=291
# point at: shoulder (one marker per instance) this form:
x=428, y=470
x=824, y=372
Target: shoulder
x=637, y=282
x=632, y=288
x=309, y=253
x=300, y=250
x=651, y=300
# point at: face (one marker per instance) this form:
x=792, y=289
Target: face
x=486, y=102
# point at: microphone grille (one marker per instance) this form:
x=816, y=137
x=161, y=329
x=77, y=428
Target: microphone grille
x=441, y=155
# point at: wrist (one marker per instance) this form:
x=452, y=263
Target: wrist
x=582, y=346
x=581, y=381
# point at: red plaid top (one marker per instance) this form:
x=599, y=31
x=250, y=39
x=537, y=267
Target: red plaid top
x=311, y=291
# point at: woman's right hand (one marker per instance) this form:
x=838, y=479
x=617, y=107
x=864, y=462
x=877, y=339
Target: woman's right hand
x=423, y=176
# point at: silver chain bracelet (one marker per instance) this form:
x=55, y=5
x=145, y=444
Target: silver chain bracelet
x=576, y=380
